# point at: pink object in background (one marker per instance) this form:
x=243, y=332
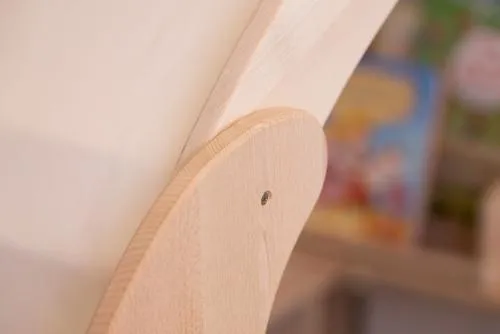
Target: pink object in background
x=475, y=68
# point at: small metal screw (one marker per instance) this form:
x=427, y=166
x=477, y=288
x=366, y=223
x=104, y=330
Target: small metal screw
x=266, y=196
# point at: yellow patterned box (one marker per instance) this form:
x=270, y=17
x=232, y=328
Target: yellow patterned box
x=380, y=136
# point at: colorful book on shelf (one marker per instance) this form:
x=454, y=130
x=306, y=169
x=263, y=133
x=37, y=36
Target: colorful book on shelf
x=460, y=40
x=380, y=136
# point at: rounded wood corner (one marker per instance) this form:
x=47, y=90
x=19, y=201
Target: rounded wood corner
x=209, y=256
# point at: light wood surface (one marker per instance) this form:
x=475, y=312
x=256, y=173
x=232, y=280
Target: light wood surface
x=289, y=48
x=281, y=34
x=490, y=243
x=210, y=254
x=98, y=100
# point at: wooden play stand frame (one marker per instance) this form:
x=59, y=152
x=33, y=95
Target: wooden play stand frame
x=246, y=159
x=214, y=243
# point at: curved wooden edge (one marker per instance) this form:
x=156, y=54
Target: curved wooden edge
x=490, y=242
x=209, y=256
x=293, y=53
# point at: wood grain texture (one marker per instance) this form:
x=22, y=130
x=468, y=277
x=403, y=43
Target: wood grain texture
x=97, y=102
x=293, y=52
x=317, y=81
x=95, y=108
x=490, y=243
x=97, y=98
x=209, y=256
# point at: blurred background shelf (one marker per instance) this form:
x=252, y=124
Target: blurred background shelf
x=367, y=266
x=305, y=278
x=468, y=162
x=472, y=150
x=303, y=303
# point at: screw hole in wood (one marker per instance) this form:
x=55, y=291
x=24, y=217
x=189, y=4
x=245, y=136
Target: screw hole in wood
x=266, y=196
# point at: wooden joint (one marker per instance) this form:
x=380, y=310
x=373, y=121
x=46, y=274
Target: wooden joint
x=209, y=256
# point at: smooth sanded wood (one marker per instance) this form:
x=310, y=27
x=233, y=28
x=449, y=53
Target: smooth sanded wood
x=209, y=256
x=281, y=34
x=98, y=100
x=293, y=53
x=489, y=269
